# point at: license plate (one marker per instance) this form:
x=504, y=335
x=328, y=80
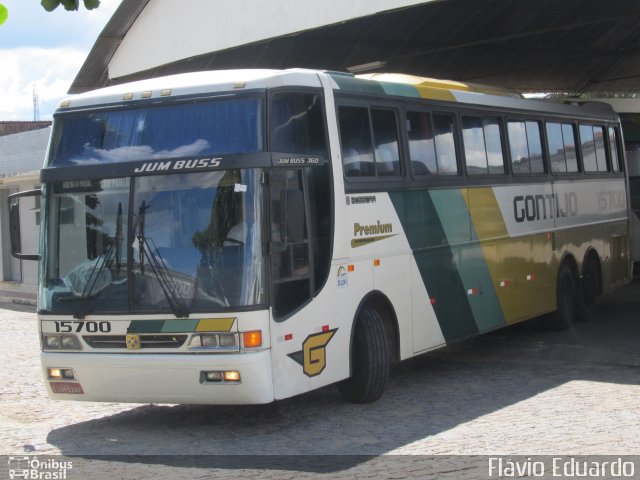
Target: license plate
x=66, y=387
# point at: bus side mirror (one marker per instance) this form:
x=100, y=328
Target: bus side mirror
x=14, y=224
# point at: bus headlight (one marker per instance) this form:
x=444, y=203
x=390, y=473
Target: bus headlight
x=61, y=342
x=223, y=342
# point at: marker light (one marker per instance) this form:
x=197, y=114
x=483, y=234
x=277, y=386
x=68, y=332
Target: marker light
x=232, y=376
x=252, y=339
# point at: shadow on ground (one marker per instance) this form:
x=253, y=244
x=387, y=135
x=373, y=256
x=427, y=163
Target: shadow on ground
x=426, y=396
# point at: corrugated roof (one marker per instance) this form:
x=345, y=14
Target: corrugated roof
x=526, y=45
x=11, y=127
x=23, y=152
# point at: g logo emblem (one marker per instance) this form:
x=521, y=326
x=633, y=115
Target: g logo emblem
x=313, y=356
x=133, y=342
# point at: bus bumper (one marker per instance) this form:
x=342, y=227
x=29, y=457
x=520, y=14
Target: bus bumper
x=153, y=378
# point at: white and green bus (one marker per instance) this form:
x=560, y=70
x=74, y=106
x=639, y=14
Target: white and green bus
x=240, y=237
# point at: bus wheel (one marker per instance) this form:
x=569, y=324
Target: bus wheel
x=565, y=314
x=370, y=359
x=589, y=289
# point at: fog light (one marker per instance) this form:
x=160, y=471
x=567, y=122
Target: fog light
x=213, y=376
x=54, y=373
x=252, y=339
x=67, y=374
x=232, y=376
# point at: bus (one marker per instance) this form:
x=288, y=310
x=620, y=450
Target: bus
x=629, y=111
x=240, y=237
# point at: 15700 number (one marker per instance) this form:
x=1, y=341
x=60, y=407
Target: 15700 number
x=67, y=326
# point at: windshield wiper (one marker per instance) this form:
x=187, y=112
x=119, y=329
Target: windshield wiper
x=158, y=267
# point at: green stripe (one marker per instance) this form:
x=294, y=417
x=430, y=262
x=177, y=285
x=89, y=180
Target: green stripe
x=145, y=326
x=472, y=265
x=177, y=326
x=437, y=260
x=356, y=85
x=400, y=89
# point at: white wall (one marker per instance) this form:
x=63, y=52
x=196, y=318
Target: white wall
x=167, y=31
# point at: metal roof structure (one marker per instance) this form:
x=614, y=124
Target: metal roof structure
x=526, y=45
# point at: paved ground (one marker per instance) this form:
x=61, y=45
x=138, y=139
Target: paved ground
x=518, y=391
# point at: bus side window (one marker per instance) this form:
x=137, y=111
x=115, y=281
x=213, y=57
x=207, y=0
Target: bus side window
x=601, y=155
x=569, y=138
x=297, y=123
x=482, y=145
x=613, y=148
x=525, y=145
x=588, y=149
x=355, y=137
x=422, y=149
x=443, y=126
x=385, y=135
x=562, y=147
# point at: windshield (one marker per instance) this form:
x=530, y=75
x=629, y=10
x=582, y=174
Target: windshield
x=169, y=243
x=176, y=130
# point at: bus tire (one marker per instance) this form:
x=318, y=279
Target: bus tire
x=565, y=314
x=589, y=290
x=370, y=359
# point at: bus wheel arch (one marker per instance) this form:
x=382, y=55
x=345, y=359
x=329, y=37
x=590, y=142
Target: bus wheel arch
x=590, y=285
x=372, y=348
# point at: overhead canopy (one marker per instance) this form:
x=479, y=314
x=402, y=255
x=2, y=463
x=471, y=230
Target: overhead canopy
x=527, y=45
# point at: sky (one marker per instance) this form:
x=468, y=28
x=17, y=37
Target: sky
x=44, y=50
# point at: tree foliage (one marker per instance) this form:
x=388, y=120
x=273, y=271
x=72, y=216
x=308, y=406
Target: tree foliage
x=4, y=14
x=51, y=5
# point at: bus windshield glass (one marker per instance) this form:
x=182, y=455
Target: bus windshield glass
x=168, y=243
x=177, y=130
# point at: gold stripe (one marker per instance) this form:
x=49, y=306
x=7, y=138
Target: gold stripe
x=435, y=93
x=486, y=214
x=215, y=324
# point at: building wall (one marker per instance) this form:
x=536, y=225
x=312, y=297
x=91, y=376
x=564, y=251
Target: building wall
x=21, y=157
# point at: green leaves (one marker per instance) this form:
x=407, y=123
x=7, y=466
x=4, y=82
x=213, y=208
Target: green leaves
x=4, y=14
x=69, y=5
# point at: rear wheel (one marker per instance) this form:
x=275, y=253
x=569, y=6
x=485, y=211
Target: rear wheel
x=589, y=290
x=370, y=359
x=565, y=315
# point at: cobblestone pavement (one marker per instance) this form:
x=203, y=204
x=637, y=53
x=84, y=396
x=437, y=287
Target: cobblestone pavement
x=517, y=391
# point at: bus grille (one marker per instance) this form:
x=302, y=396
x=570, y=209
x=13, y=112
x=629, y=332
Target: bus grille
x=146, y=341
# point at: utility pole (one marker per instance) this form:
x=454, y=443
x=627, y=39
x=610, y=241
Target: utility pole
x=36, y=105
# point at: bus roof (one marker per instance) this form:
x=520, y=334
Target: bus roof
x=379, y=84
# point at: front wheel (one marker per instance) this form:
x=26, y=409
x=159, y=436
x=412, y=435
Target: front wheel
x=370, y=360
